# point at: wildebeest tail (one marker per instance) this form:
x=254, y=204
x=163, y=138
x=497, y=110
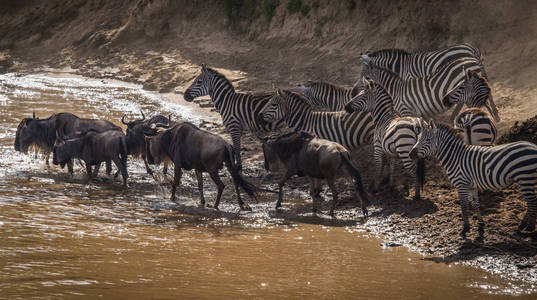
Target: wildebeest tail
x=357, y=182
x=420, y=172
x=249, y=188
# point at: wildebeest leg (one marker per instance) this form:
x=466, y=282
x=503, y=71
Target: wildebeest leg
x=219, y=185
x=88, y=170
x=96, y=170
x=287, y=175
x=199, y=176
x=46, y=159
x=70, y=166
x=165, y=169
x=109, y=167
x=120, y=166
x=315, y=190
x=332, y=186
x=147, y=168
x=176, y=180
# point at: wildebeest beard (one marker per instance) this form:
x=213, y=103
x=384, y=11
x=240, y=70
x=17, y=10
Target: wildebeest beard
x=67, y=150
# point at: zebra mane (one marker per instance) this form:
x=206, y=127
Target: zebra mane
x=390, y=71
x=388, y=51
x=373, y=84
x=296, y=97
x=475, y=110
x=221, y=76
x=449, y=128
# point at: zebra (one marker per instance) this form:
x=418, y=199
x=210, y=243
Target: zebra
x=477, y=126
x=423, y=63
x=328, y=96
x=454, y=83
x=470, y=168
x=239, y=111
x=349, y=130
x=394, y=136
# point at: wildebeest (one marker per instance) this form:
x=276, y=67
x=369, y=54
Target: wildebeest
x=135, y=136
x=39, y=133
x=189, y=147
x=93, y=148
x=68, y=124
x=302, y=154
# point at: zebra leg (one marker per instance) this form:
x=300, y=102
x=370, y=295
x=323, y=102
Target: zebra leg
x=463, y=198
x=235, y=131
x=477, y=209
x=46, y=159
x=527, y=190
x=379, y=158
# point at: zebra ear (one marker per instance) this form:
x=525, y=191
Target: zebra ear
x=203, y=67
x=279, y=92
x=432, y=124
x=365, y=58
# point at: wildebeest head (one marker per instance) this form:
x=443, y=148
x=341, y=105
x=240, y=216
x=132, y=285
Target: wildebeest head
x=135, y=132
x=33, y=131
x=67, y=149
x=202, y=85
x=157, y=140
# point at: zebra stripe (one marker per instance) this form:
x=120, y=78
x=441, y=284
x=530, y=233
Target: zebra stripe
x=477, y=126
x=239, y=111
x=476, y=167
x=424, y=63
x=349, y=130
x=394, y=136
x=431, y=95
x=326, y=95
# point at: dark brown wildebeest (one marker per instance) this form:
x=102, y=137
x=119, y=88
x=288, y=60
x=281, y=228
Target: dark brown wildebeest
x=68, y=124
x=189, y=147
x=136, y=139
x=40, y=134
x=302, y=154
x=93, y=148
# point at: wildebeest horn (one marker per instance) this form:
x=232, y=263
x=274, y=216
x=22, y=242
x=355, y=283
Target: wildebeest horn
x=143, y=116
x=123, y=120
x=160, y=125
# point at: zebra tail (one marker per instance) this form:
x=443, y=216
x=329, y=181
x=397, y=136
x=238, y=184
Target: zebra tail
x=249, y=188
x=364, y=198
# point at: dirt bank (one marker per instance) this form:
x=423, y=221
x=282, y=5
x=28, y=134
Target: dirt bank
x=160, y=44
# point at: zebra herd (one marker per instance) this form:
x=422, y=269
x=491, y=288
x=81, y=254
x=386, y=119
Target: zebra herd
x=388, y=107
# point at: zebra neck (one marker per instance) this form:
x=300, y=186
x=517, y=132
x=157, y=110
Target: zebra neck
x=451, y=147
x=299, y=113
x=383, y=114
x=221, y=89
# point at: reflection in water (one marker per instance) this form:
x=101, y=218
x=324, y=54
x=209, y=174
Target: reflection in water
x=63, y=237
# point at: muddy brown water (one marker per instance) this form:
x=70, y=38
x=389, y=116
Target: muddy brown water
x=63, y=237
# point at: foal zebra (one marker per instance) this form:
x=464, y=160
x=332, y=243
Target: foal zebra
x=476, y=167
x=327, y=95
x=420, y=64
x=239, y=111
x=349, y=130
x=394, y=136
x=477, y=126
x=431, y=95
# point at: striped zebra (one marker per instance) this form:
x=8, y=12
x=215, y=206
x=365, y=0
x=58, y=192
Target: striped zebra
x=394, y=136
x=239, y=111
x=420, y=64
x=454, y=83
x=349, y=130
x=470, y=168
x=328, y=96
x=477, y=126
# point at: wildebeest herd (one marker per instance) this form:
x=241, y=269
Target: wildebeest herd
x=392, y=107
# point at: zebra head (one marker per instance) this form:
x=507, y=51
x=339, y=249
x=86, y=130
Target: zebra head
x=474, y=91
x=364, y=100
x=276, y=108
x=201, y=85
x=426, y=145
